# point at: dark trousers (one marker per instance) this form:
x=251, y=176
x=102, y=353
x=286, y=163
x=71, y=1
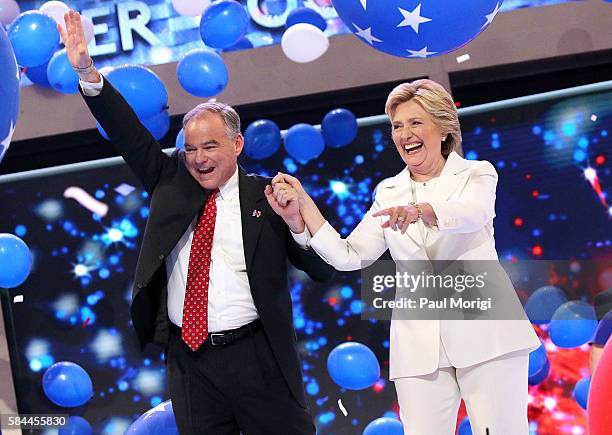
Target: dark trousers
x=231, y=389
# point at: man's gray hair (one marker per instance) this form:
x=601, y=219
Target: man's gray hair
x=228, y=114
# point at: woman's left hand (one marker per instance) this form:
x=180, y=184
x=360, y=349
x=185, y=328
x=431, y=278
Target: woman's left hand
x=400, y=217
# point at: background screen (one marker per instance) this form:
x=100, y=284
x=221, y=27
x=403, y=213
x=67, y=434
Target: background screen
x=551, y=155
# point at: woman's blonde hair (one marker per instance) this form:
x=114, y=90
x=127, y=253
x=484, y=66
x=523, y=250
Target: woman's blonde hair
x=438, y=103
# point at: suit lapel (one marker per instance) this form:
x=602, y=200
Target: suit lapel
x=399, y=191
x=189, y=198
x=447, y=183
x=169, y=220
x=449, y=178
x=190, y=193
x=252, y=212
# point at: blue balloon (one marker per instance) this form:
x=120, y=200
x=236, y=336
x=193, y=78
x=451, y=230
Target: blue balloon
x=573, y=324
x=581, y=391
x=67, y=384
x=465, y=427
x=540, y=376
x=415, y=29
x=202, y=72
x=76, y=426
x=537, y=360
x=223, y=24
x=142, y=89
x=604, y=330
x=353, y=366
x=303, y=142
x=38, y=75
x=384, y=426
x=339, y=128
x=306, y=15
x=60, y=74
x=262, y=139
x=15, y=261
x=158, y=125
x=242, y=44
x=156, y=421
x=180, y=140
x=9, y=92
x=542, y=304
x=34, y=37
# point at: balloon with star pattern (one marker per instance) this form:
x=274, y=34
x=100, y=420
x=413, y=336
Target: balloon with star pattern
x=9, y=92
x=416, y=28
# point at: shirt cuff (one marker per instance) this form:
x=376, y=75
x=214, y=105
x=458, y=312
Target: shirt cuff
x=443, y=219
x=324, y=238
x=302, y=239
x=92, y=89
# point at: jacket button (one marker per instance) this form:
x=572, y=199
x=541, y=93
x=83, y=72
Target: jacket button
x=140, y=285
x=161, y=256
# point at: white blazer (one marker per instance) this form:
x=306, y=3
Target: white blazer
x=463, y=199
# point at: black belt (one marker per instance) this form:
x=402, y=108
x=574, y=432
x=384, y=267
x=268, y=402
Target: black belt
x=224, y=337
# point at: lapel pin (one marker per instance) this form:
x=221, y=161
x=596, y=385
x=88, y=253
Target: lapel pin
x=256, y=213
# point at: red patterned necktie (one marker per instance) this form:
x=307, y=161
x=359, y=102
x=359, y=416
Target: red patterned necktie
x=195, y=309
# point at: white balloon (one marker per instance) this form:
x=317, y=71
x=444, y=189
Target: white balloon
x=191, y=8
x=304, y=42
x=56, y=10
x=9, y=9
x=88, y=28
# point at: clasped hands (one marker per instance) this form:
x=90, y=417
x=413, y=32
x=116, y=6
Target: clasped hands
x=286, y=196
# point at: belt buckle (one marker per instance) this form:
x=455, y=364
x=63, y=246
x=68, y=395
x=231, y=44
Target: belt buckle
x=219, y=343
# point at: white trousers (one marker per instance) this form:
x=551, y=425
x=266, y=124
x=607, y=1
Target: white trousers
x=495, y=394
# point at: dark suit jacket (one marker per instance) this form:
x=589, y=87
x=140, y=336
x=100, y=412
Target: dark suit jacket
x=176, y=198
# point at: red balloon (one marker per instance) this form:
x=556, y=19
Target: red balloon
x=599, y=417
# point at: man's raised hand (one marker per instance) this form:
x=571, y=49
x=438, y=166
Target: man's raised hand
x=76, y=45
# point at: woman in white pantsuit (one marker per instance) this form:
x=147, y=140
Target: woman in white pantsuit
x=440, y=207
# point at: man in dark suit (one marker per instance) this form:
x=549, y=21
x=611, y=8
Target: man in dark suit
x=211, y=278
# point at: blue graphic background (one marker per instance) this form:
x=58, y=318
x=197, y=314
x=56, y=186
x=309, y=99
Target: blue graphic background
x=76, y=301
